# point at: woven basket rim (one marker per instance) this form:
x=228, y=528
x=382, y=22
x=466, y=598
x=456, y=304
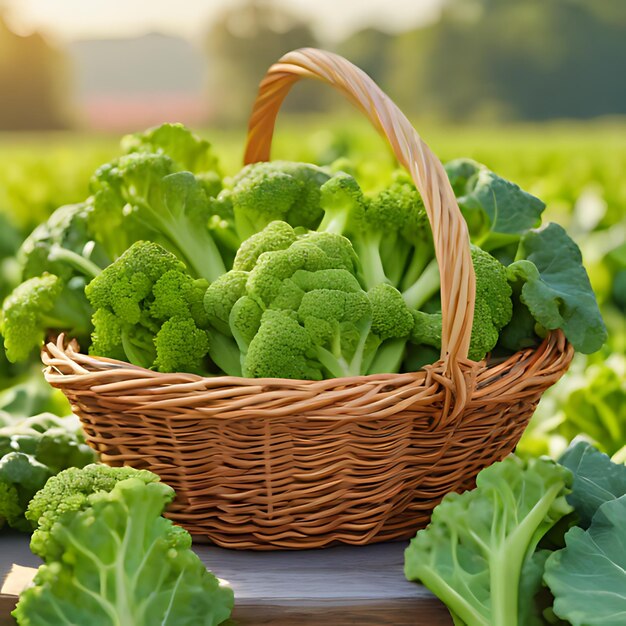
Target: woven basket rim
x=68, y=350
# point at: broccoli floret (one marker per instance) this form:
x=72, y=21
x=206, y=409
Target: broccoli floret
x=279, y=349
x=187, y=151
x=38, y=305
x=391, y=317
x=267, y=278
x=149, y=311
x=343, y=203
x=244, y=322
x=494, y=307
x=280, y=190
x=177, y=294
x=69, y=491
x=123, y=285
x=338, y=249
x=392, y=323
x=275, y=236
x=180, y=346
x=106, y=338
x=221, y=296
x=338, y=323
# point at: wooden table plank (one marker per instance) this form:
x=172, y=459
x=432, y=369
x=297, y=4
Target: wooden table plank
x=341, y=585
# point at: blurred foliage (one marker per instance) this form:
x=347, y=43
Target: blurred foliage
x=33, y=83
x=504, y=60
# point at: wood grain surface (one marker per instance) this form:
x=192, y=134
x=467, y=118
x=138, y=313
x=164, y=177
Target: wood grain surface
x=339, y=586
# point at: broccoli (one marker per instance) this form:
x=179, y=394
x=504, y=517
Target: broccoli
x=276, y=235
x=21, y=476
x=63, y=246
x=176, y=293
x=69, y=491
x=244, y=321
x=392, y=324
x=180, y=346
x=30, y=452
x=492, y=312
x=279, y=349
x=149, y=311
x=165, y=206
x=221, y=296
x=300, y=311
x=40, y=304
x=281, y=190
x=113, y=559
x=388, y=230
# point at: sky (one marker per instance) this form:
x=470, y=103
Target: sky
x=82, y=19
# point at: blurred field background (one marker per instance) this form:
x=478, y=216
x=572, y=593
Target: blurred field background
x=533, y=89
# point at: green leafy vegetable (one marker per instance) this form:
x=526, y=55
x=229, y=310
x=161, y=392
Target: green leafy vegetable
x=588, y=577
x=120, y=565
x=31, y=451
x=69, y=491
x=556, y=287
x=478, y=543
x=497, y=210
x=596, y=480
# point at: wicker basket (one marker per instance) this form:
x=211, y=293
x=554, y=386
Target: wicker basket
x=274, y=463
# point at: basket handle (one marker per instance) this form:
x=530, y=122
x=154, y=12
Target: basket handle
x=450, y=232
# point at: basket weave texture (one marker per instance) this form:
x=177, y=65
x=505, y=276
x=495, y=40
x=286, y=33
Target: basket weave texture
x=274, y=463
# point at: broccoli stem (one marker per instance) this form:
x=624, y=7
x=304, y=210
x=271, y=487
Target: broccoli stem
x=424, y=288
x=334, y=222
x=225, y=353
x=138, y=353
x=506, y=566
x=199, y=249
x=78, y=262
x=196, y=246
x=421, y=257
x=368, y=251
x=389, y=357
x=337, y=368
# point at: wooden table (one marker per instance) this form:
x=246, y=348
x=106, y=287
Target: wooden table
x=337, y=586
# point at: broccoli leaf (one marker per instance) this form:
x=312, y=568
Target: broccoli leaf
x=588, y=577
x=596, y=480
x=498, y=212
x=556, y=288
x=478, y=543
x=120, y=566
x=187, y=150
